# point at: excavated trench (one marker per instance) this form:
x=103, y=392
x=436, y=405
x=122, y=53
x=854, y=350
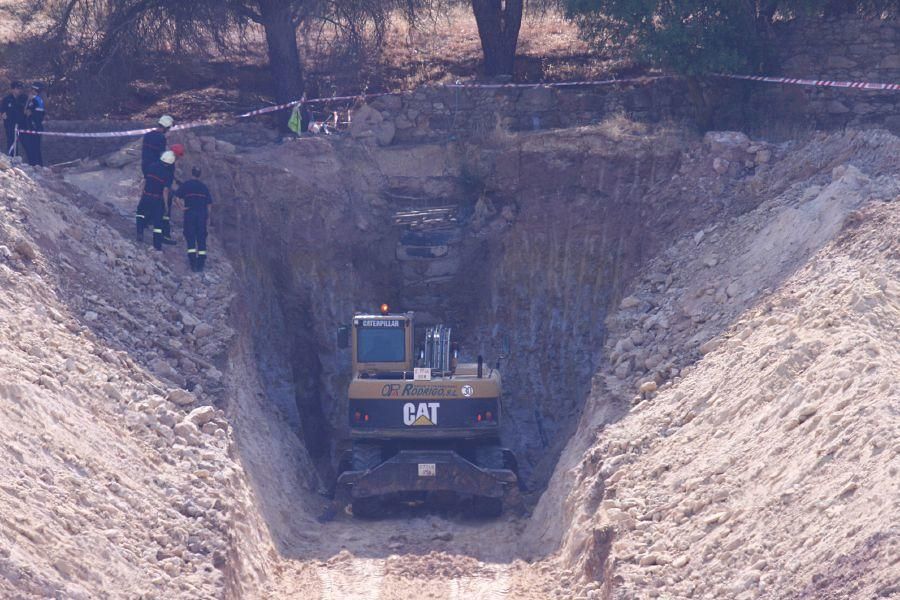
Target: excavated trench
x=550, y=228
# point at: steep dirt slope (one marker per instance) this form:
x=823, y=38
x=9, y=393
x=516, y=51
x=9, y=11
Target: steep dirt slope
x=762, y=459
x=116, y=480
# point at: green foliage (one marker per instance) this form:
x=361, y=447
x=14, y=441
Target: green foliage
x=688, y=36
x=694, y=37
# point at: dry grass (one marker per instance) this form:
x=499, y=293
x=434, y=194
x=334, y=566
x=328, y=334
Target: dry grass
x=436, y=50
x=446, y=48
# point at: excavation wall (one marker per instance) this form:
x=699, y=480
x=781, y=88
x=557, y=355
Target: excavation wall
x=550, y=228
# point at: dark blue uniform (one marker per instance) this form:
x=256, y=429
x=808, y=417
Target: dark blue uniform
x=152, y=148
x=34, y=121
x=197, y=199
x=167, y=215
x=13, y=108
x=151, y=207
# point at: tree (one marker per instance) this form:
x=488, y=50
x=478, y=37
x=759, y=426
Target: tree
x=97, y=34
x=689, y=36
x=697, y=37
x=96, y=44
x=280, y=20
x=694, y=37
x=498, y=23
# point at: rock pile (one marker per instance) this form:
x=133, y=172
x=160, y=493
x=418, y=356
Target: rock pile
x=115, y=452
x=700, y=285
x=760, y=359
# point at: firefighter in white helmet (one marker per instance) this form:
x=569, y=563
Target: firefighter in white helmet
x=155, y=142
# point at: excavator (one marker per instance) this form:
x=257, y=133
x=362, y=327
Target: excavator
x=421, y=424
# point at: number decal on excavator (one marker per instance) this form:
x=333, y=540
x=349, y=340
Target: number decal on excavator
x=422, y=413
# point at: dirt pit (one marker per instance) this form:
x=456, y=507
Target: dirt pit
x=536, y=259
x=551, y=229
x=564, y=239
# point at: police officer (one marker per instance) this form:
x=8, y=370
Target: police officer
x=197, y=200
x=154, y=143
x=152, y=205
x=178, y=150
x=12, y=107
x=35, y=111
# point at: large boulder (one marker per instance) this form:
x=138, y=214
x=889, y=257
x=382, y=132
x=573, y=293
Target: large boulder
x=731, y=145
x=369, y=125
x=385, y=132
x=365, y=120
x=181, y=397
x=202, y=415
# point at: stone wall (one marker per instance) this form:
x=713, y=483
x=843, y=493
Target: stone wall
x=843, y=49
x=436, y=113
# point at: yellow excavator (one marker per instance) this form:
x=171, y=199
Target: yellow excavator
x=421, y=423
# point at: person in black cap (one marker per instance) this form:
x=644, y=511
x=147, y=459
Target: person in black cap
x=34, y=121
x=12, y=107
x=197, y=199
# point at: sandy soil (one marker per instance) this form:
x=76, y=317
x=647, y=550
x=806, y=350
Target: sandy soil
x=115, y=479
x=755, y=363
x=764, y=461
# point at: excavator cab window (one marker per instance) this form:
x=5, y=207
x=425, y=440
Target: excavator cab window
x=381, y=344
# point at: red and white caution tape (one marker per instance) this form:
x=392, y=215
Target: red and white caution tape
x=103, y=134
x=207, y=122
x=854, y=85
x=858, y=85
x=277, y=107
x=560, y=84
x=15, y=143
x=312, y=101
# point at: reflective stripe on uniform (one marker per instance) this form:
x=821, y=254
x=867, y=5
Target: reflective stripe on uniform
x=157, y=231
x=201, y=252
x=165, y=218
x=139, y=216
x=191, y=250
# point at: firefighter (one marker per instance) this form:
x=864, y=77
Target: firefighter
x=35, y=111
x=154, y=143
x=178, y=150
x=151, y=207
x=12, y=107
x=197, y=200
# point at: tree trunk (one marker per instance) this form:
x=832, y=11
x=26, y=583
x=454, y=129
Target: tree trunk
x=284, y=57
x=703, y=108
x=498, y=27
